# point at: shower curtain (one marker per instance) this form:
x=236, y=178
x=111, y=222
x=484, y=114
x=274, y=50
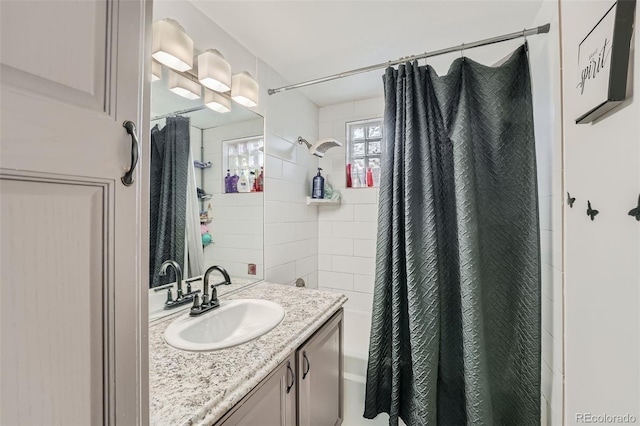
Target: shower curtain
x=455, y=336
x=194, y=256
x=168, y=197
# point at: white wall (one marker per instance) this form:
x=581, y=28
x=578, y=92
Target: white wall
x=602, y=257
x=544, y=58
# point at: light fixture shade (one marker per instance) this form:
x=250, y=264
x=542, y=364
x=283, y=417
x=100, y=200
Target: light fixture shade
x=214, y=71
x=156, y=71
x=171, y=45
x=183, y=86
x=244, y=89
x=216, y=101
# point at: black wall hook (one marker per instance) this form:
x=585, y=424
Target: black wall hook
x=591, y=212
x=636, y=211
x=570, y=200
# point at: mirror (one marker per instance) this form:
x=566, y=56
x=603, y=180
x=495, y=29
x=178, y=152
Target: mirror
x=195, y=218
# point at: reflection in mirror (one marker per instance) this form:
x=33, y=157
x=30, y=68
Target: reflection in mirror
x=206, y=203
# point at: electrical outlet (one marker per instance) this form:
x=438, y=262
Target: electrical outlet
x=251, y=269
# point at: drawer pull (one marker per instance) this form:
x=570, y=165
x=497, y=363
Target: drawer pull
x=293, y=377
x=304, y=358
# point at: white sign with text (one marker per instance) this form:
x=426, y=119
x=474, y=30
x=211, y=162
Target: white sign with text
x=594, y=64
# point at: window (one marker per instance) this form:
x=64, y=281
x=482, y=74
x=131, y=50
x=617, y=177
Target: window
x=364, y=147
x=244, y=156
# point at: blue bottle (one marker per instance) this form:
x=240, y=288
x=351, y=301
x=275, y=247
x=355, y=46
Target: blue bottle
x=227, y=182
x=317, y=190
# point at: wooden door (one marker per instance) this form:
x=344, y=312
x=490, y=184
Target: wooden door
x=73, y=316
x=320, y=376
x=272, y=403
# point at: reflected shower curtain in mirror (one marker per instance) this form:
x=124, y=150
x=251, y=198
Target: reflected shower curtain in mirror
x=455, y=336
x=194, y=256
x=168, y=196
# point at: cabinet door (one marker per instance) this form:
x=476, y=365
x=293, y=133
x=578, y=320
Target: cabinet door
x=272, y=403
x=320, y=376
x=73, y=320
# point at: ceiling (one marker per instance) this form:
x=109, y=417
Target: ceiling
x=304, y=40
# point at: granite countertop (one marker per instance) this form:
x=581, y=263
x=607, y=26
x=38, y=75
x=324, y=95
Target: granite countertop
x=198, y=388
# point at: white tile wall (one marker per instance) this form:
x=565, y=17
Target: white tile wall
x=237, y=227
x=544, y=56
x=347, y=233
x=291, y=227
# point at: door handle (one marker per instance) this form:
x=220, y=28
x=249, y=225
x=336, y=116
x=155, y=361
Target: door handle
x=293, y=377
x=304, y=358
x=127, y=179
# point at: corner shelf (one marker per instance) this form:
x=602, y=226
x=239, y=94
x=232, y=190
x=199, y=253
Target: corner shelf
x=322, y=201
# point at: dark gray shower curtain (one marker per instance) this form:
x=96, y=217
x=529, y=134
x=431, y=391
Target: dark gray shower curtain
x=455, y=336
x=168, y=196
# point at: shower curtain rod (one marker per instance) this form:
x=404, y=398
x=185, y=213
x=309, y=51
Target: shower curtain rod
x=181, y=112
x=524, y=33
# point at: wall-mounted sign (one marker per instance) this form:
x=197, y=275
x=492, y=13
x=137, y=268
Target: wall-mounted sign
x=603, y=62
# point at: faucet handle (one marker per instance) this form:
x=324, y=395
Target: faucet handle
x=189, y=281
x=169, y=296
x=196, y=302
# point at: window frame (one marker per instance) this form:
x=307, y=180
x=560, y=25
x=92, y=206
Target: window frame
x=367, y=156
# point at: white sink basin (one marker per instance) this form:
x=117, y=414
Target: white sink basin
x=233, y=323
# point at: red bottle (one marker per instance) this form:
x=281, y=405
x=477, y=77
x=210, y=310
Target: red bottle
x=369, y=177
x=349, y=182
x=260, y=181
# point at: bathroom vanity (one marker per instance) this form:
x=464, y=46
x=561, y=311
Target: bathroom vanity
x=288, y=376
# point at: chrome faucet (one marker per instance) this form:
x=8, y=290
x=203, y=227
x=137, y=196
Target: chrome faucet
x=181, y=298
x=209, y=304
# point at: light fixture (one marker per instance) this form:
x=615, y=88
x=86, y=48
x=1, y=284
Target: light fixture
x=156, y=71
x=214, y=71
x=171, y=45
x=244, y=89
x=183, y=86
x=216, y=101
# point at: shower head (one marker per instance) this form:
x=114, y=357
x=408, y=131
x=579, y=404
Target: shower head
x=319, y=148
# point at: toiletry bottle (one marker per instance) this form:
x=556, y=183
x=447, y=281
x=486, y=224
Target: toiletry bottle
x=376, y=176
x=227, y=182
x=234, y=181
x=252, y=181
x=355, y=176
x=243, y=182
x=317, y=190
x=349, y=181
x=261, y=180
x=362, y=177
x=369, y=177
x=209, y=212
